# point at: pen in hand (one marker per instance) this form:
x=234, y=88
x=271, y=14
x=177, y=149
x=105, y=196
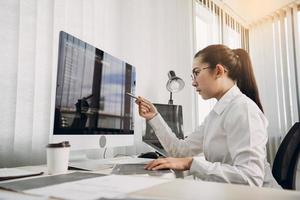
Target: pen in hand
x=131, y=95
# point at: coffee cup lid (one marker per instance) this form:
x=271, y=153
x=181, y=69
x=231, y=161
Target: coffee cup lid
x=60, y=144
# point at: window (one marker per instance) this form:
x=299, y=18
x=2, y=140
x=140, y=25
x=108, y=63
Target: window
x=214, y=26
x=207, y=31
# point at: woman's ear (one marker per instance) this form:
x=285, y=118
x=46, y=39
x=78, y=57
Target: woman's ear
x=220, y=70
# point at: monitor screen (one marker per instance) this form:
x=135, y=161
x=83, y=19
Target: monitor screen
x=172, y=114
x=90, y=91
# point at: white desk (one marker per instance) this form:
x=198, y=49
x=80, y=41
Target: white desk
x=190, y=189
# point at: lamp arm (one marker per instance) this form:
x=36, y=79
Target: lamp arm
x=170, y=100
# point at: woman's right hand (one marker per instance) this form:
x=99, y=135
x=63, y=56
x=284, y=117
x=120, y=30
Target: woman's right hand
x=146, y=109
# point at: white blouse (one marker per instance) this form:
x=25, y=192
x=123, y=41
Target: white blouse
x=232, y=138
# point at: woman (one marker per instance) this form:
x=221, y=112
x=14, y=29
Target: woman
x=232, y=137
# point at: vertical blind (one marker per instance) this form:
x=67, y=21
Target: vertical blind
x=232, y=32
x=274, y=46
x=140, y=32
x=275, y=50
x=25, y=77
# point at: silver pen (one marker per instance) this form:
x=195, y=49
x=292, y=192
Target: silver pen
x=131, y=95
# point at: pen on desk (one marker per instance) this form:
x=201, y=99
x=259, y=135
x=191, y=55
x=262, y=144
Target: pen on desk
x=131, y=95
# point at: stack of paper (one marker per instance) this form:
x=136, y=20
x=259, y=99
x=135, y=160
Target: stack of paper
x=113, y=186
x=12, y=173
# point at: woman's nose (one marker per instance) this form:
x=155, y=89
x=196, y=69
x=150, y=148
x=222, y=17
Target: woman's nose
x=194, y=83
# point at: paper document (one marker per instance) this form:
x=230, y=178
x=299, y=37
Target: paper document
x=113, y=186
x=11, y=173
x=6, y=195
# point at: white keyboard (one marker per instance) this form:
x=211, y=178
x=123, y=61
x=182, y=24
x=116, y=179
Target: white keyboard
x=95, y=165
x=128, y=160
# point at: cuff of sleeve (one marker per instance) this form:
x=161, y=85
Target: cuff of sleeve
x=156, y=121
x=199, y=167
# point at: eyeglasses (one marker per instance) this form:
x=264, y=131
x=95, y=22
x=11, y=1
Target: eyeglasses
x=196, y=72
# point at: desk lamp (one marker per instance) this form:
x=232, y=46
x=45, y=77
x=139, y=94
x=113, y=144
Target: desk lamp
x=174, y=84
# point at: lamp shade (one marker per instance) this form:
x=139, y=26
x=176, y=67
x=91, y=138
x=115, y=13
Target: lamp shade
x=174, y=84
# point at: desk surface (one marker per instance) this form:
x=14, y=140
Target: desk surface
x=188, y=189
x=191, y=189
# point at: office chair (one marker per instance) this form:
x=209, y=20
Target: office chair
x=172, y=114
x=286, y=159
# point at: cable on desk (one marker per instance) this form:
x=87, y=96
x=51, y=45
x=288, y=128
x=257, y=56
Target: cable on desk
x=103, y=156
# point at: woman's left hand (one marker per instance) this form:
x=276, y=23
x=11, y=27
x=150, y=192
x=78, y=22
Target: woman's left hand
x=170, y=163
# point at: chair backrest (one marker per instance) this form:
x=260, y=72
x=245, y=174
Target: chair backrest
x=172, y=114
x=286, y=159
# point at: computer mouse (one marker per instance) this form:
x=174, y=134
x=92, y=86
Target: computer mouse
x=151, y=155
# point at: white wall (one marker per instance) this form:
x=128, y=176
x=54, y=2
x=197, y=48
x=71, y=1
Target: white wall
x=153, y=35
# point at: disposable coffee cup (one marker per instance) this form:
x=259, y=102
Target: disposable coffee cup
x=58, y=157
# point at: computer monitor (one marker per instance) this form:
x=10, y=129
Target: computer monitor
x=89, y=105
x=172, y=114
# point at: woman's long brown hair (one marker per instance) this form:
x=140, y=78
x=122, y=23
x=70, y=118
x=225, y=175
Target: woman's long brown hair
x=239, y=67
x=247, y=82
